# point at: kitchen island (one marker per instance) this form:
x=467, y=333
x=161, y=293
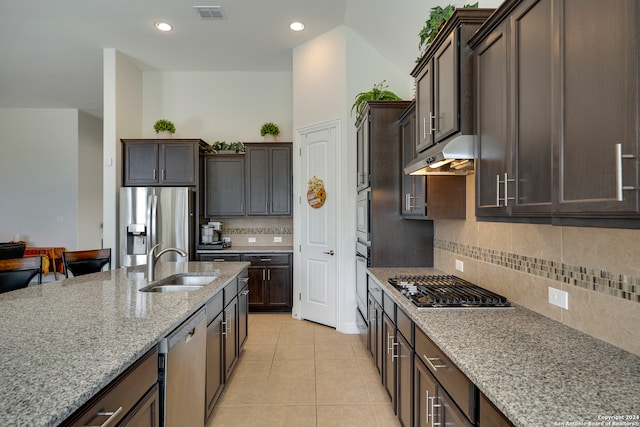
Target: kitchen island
x=63, y=342
x=536, y=371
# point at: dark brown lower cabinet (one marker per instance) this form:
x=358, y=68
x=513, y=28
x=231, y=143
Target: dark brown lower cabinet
x=490, y=416
x=270, y=282
x=215, y=378
x=389, y=358
x=425, y=388
x=404, y=377
x=130, y=396
x=147, y=412
x=230, y=333
x=432, y=405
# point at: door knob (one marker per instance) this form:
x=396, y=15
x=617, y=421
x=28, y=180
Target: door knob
x=329, y=252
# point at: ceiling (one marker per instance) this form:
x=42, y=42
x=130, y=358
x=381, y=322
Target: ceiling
x=51, y=51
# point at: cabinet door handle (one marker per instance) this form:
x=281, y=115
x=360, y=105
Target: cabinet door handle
x=433, y=412
x=394, y=353
x=111, y=415
x=164, y=174
x=268, y=274
x=224, y=327
x=155, y=174
x=619, y=187
x=432, y=127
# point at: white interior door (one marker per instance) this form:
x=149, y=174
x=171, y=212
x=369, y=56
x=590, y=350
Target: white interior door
x=318, y=225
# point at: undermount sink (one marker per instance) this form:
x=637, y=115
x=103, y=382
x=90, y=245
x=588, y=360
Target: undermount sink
x=172, y=288
x=183, y=282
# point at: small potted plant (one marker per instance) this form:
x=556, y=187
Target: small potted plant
x=378, y=93
x=269, y=131
x=164, y=128
x=237, y=147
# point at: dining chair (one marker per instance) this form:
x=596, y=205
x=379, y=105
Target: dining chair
x=85, y=262
x=16, y=273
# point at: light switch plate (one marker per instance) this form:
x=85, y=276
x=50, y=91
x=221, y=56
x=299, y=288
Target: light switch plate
x=559, y=298
x=277, y=239
x=252, y=239
x=459, y=265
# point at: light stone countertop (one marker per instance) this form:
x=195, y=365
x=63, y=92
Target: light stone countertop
x=64, y=341
x=537, y=371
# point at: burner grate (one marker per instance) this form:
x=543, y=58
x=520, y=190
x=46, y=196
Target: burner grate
x=442, y=291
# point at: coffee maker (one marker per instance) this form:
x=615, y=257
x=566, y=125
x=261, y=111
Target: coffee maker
x=211, y=235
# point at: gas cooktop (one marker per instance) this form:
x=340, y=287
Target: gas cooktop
x=446, y=291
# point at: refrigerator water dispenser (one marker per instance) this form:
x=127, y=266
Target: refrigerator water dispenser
x=136, y=239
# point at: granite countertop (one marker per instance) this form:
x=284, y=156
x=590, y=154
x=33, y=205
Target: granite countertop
x=537, y=371
x=62, y=342
x=247, y=249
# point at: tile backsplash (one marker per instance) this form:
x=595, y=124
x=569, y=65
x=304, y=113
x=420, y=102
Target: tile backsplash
x=263, y=230
x=598, y=267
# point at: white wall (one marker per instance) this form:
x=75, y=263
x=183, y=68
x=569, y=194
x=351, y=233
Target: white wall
x=328, y=72
x=39, y=175
x=89, y=182
x=122, y=119
x=218, y=106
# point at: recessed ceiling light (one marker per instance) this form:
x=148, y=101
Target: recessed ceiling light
x=297, y=26
x=163, y=26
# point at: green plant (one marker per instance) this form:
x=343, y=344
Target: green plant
x=164, y=125
x=270, y=129
x=437, y=17
x=378, y=93
x=236, y=146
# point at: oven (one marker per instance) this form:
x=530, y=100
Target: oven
x=447, y=292
x=363, y=213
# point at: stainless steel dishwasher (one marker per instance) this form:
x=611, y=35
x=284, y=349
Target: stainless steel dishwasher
x=182, y=362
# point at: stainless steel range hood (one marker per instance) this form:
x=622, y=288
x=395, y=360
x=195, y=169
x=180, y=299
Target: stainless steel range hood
x=452, y=157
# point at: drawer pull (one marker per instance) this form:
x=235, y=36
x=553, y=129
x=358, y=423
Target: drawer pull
x=429, y=361
x=245, y=292
x=111, y=415
x=265, y=259
x=244, y=280
x=218, y=259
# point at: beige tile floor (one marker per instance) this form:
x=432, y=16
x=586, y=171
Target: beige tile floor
x=298, y=373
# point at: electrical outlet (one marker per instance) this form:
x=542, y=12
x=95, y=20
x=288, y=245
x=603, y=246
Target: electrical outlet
x=252, y=239
x=277, y=239
x=559, y=298
x=459, y=265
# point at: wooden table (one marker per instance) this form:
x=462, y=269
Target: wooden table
x=52, y=253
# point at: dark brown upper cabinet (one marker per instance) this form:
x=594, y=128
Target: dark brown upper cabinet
x=269, y=183
x=514, y=114
x=431, y=196
x=596, y=146
x=444, y=81
x=224, y=185
x=557, y=111
x=152, y=162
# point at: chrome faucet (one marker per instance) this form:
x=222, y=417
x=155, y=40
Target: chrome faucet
x=152, y=259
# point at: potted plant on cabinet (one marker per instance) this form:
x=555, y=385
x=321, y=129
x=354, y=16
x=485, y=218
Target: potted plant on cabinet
x=378, y=93
x=269, y=131
x=222, y=147
x=437, y=18
x=164, y=128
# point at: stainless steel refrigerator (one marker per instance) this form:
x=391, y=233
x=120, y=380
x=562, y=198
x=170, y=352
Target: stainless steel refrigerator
x=151, y=215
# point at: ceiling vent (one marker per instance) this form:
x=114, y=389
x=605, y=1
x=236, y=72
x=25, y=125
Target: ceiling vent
x=210, y=12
